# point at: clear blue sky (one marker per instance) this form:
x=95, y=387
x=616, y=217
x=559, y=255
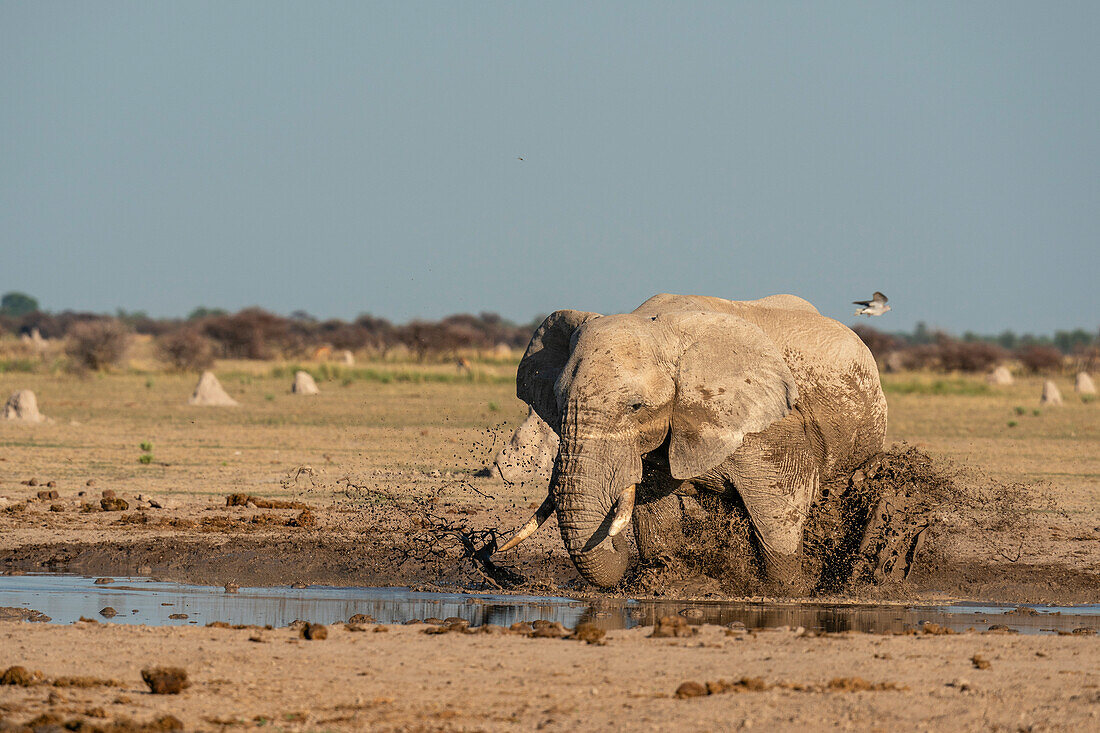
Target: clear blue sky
x=362, y=157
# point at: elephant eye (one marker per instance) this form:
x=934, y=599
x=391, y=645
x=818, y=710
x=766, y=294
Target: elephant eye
x=637, y=406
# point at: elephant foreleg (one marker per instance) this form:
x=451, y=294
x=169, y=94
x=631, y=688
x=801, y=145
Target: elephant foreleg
x=777, y=491
x=658, y=525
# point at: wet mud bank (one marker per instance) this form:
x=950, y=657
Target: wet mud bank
x=255, y=561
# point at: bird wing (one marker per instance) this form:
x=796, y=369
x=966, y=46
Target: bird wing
x=879, y=297
x=866, y=303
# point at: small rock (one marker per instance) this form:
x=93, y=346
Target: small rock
x=165, y=680
x=590, y=633
x=107, y=493
x=104, y=581
x=178, y=616
x=672, y=626
x=90, y=482
x=108, y=612
x=690, y=689
x=980, y=662
x=20, y=676
x=113, y=505
x=361, y=618
x=232, y=587
x=314, y=632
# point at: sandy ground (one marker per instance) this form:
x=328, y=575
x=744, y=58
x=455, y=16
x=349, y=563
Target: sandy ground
x=404, y=679
x=363, y=453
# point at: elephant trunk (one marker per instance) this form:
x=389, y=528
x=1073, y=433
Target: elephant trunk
x=590, y=502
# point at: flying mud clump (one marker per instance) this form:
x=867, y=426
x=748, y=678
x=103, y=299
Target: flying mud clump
x=902, y=512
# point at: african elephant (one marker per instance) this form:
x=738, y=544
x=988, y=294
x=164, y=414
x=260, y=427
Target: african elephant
x=765, y=399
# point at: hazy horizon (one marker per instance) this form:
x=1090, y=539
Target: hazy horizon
x=342, y=158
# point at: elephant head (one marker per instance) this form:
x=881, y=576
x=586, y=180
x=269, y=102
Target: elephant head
x=615, y=388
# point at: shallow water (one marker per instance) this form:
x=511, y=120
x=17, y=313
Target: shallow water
x=65, y=598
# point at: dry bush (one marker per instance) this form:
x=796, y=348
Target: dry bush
x=98, y=344
x=1038, y=359
x=251, y=334
x=186, y=350
x=969, y=356
x=951, y=355
x=1087, y=359
x=878, y=342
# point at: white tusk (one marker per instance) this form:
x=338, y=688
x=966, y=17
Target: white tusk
x=537, y=520
x=624, y=508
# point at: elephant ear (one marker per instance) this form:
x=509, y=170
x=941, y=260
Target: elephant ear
x=731, y=381
x=544, y=360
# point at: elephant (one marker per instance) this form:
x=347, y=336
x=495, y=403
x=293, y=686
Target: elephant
x=761, y=400
x=530, y=453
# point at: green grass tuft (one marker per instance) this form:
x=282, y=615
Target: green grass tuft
x=964, y=387
x=18, y=365
x=346, y=375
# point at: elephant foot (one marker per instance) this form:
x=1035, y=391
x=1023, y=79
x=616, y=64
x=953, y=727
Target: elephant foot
x=785, y=575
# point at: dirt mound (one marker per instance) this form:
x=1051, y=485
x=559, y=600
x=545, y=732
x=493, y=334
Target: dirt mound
x=22, y=406
x=304, y=384
x=999, y=376
x=209, y=393
x=1083, y=384
x=1051, y=395
x=899, y=512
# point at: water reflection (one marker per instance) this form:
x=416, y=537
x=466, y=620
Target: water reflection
x=66, y=598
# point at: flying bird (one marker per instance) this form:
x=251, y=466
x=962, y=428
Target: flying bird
x=876, y=306
x=518, y=158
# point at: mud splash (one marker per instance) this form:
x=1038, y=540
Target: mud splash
x=898, y=519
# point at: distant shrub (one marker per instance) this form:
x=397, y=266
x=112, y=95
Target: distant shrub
x=878, y=342
x=969, y=356
x=186, y=350
x=1038, y=359
x=1087, y=359
x=251, y=334
x=98, y=344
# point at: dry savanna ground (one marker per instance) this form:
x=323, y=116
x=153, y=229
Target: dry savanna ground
x=379, y=434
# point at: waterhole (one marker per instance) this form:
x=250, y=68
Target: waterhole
x=140, y=600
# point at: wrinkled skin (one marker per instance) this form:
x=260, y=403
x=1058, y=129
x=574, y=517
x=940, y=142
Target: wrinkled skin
x=763, y=398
